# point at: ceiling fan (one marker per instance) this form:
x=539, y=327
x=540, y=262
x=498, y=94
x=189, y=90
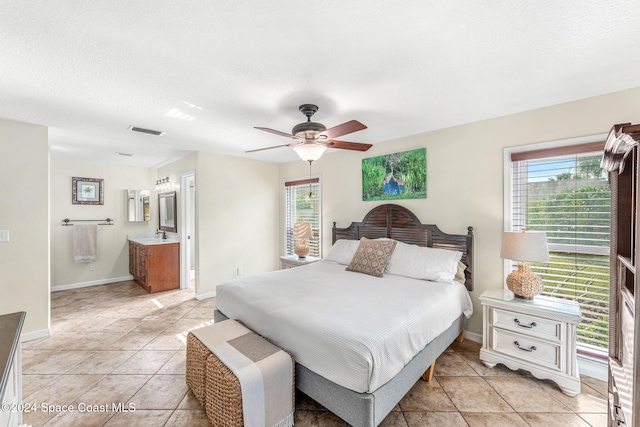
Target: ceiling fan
x=312, y=139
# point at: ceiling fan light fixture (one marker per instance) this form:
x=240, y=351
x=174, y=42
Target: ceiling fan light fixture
x=309, y=152
x=312, y=138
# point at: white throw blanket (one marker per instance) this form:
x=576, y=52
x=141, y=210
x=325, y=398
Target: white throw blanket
x=265, y=372
x=85, y=243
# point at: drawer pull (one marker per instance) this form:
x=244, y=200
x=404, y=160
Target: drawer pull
x=530, y=325
x=530, y=349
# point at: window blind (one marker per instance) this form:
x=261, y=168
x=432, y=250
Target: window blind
x=568, y=197
x=302, y=201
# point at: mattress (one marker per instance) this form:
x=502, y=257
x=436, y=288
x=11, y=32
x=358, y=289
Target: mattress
x=355, y=330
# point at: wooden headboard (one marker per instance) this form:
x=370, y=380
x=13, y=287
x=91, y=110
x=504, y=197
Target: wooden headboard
x=399, y=223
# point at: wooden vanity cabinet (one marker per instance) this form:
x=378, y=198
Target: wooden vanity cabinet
x=155, y=267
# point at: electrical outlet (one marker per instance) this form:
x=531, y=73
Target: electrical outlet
x=239, y=271
x=92, y=266
x=4, y=235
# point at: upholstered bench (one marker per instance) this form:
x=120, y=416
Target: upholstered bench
x=219, y=389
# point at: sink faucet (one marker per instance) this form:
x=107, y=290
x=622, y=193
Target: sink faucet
x=164, y=235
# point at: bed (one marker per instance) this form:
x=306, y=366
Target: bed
x=358, y=351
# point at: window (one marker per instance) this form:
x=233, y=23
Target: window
x=565, y=193
x=302, y=201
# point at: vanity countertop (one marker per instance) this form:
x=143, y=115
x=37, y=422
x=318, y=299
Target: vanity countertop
x=151, y=239
x=10, y=329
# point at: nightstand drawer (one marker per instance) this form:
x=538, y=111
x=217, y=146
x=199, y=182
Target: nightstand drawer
x=528, y=325
x=532, y=350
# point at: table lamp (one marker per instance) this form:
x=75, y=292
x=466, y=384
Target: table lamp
x=524, y=247
x=302, y=231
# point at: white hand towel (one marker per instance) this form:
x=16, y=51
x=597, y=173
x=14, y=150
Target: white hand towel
x=85, y=243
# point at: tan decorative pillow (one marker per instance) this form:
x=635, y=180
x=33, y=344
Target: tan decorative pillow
x=372, y=256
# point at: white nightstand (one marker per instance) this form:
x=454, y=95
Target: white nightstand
x=290, y=261
x=536, y=335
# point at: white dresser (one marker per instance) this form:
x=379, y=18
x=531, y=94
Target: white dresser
x=11, y=369
x=536, y=335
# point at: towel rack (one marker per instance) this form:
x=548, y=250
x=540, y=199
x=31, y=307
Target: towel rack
x=66, y=221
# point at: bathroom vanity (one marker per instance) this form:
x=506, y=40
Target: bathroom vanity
x=155, y=262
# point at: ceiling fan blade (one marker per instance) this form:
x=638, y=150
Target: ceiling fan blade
x=269, y=148
x=344, y=145
x=277, y=132
x=343, y=129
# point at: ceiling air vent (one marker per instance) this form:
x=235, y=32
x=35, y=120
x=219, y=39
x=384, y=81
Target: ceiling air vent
x=143, y=130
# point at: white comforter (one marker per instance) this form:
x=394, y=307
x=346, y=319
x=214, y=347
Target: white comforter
x=356, y=330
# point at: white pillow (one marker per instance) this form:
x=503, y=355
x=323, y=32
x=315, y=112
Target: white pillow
x=417, y=262
x=342, y=251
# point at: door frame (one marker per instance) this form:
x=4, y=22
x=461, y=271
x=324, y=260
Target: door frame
x=184, y=231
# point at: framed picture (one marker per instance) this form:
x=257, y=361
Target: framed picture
x=87, y=191
x=395, y=176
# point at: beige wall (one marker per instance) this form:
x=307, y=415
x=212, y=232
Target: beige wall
x=239, y=202
x=236, y=216
x=113, y=250
x=231, y=232
x=24, y=211
x=464, y=174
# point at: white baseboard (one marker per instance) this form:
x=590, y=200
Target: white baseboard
x=592, y=368
x=206, y=296
x=472, y=336
x=91, y=283
x=34, y=335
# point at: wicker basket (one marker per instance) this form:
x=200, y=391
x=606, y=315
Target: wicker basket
x=223, y=404
x=216, y=386
x=213, y=384
x=197, y=354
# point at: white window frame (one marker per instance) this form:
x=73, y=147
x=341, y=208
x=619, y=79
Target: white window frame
x=508, y=180
x=284, y=206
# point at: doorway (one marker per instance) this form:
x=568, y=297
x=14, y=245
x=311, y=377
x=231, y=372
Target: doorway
x=188, y=273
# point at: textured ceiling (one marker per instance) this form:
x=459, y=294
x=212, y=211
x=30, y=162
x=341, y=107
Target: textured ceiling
x=90, y=69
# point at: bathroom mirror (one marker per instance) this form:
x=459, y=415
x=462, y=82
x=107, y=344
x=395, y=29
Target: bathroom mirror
x=138, y=205
x=168, y=215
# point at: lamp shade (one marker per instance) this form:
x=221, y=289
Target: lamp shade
x=302, y=230
x=525, y=246
x=309, y=152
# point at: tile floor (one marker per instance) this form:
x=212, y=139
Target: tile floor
x=116, y=344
